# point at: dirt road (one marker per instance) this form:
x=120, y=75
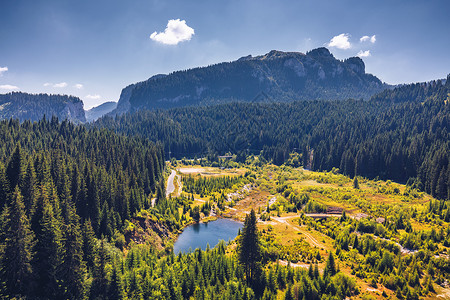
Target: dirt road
x=170, y=185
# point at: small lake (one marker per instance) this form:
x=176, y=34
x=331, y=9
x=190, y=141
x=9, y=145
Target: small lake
x=199, y=235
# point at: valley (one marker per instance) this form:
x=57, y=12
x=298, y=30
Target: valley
x=95, y=211
x=306, y=237
x=224, y=150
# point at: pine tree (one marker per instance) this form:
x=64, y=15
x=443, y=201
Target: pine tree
x=63, y=189
x=16, y=167
x=47, y=258
x=355, y=183
x=115, y=290
x=288, y=295
x=28, y=187
x=93, y=202
x=4, y=186
x=54, y=201
x=249, y=248
x=72, y=270
x=89, y=244
x=43, y=169
x=316, y=271
x=99, y=287
x=311, y=271
x=330, y=267
x=17, y=243
x=82, y=199
x=105, y=222
x=355, y=243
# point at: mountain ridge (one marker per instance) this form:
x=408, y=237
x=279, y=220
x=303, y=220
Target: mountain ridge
x=276, y=75
x=33, y=107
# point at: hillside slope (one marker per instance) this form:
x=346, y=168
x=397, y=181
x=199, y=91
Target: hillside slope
x=33, y=107
x=276, y=76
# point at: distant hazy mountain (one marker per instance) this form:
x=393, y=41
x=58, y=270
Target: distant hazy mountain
x=32, y=107
x=275, y=76
x=98, y=111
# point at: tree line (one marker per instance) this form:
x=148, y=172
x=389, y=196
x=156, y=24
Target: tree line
x=206, y=185
x=401, y=134
x=63, y=188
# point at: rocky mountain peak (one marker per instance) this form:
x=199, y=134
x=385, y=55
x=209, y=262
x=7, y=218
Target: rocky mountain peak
x=320, y=52
x=356, y=64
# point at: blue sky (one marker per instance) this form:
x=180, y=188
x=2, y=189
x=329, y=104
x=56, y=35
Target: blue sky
x=93, y=49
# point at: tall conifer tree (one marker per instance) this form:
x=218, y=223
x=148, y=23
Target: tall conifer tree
x=249, y=247
x=28, y=187
x=16, y=167
x=72, y=270
x=47, y=257
x=4, y=186
x=17, y=243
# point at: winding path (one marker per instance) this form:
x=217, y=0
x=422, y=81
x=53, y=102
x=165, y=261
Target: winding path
x=170, y=185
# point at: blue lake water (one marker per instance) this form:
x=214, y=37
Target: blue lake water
x=199, y=235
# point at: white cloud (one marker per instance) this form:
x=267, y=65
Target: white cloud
x=366, y=38
x=60, y=85
x=78, y=86
x=3, y=70
x=93, y=97
x=8, y=87
x=363, y=53
x=175, y=32
x=340, y=41
x=47, y=84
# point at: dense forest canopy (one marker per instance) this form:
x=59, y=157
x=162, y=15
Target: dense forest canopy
x=67, y=195
x=84, y=213
x=62, y=185
x=104, y=176
x=399, y=134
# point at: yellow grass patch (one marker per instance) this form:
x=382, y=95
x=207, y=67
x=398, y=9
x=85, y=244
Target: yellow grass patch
x=209, y=171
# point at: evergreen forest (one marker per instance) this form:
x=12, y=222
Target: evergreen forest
x=401, y=134
x=338, y=199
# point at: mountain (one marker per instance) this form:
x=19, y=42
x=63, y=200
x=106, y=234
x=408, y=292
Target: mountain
x=398, y=134
x=276, y=76
x=98, y=111
x=33, y=107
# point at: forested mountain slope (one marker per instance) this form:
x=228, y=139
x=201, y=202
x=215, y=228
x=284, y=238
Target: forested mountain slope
x=68, y=195
x=94, y=171
x=78, y=219
x=391, y=136
x=61, y=186
x=275, y=76
x=34, y=107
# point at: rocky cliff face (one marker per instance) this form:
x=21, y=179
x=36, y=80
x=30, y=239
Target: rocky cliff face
x=32, y=107
x=275, y=76
x=356, y=64
x=123, y=105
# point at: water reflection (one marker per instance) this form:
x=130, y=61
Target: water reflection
x=199, y=235
x=196, y=227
